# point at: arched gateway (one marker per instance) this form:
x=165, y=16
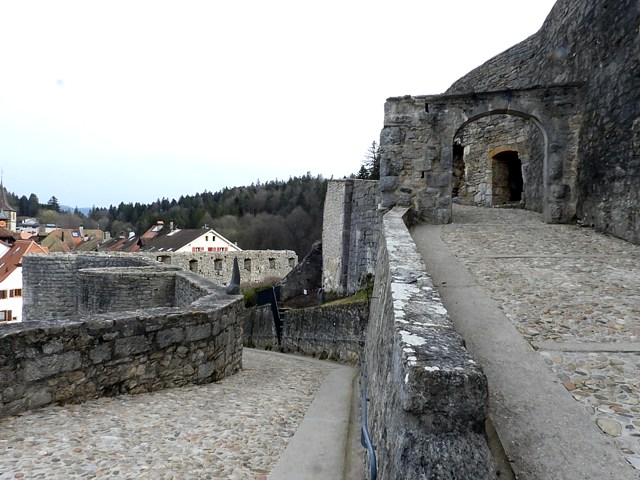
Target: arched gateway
x=417, y=148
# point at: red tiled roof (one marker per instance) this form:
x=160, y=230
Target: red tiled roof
x=13, y=258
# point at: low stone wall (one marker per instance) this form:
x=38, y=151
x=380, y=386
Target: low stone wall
x=428, y=398
x=194, y=336
x=327, y=332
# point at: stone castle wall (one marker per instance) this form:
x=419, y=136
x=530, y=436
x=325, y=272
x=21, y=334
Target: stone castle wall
x=427, y=397
x=350, y=233
x=115, y=330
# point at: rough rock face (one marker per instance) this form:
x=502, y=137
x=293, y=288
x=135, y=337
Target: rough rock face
x=596, y=43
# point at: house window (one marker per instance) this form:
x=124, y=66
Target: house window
x=217, y=265
x=3, y=294
x=5, y=315
x=15, y=292
x=247, y=264
x=206, y=238
x=272, y=263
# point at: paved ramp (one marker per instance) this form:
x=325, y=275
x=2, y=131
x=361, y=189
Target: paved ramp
x=553, y=314
x=238, y=428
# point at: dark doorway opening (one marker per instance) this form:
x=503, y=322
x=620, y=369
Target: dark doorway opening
x=507, y=177
x=457, y=170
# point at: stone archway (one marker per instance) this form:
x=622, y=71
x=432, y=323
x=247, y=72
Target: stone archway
x=417, y=147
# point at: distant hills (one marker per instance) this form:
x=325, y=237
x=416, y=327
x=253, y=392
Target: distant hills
x=84, y=210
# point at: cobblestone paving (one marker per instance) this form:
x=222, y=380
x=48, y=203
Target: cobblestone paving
x=575, y=294
x=234, y=429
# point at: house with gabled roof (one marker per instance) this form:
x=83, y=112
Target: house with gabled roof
x=189, y=240
x=73, y=240
x=122, y=243
x=11, y=279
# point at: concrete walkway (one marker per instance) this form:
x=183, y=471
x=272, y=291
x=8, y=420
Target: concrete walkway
x=517, y=291
x=282, y=412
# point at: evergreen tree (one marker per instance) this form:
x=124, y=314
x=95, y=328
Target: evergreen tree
x=53, y=204
x=34, y=205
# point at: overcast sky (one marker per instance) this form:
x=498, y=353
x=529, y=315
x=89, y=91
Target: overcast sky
x=103, y=102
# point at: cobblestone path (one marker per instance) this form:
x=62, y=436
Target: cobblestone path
x=574, y=294
x=234, y=429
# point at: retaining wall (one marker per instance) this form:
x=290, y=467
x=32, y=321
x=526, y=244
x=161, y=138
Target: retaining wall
x=194, y=336
x=428, y=398
x=327, y=332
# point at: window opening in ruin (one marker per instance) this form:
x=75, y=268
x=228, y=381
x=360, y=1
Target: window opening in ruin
x=193, y=265
x=217, y=265
x=164, y=258
x=292, y=262
x=272, y=263
x=247, y=264
x=457, y=170
x=507, y=180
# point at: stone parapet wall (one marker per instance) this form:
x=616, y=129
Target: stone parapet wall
x=428, y=398
x=128, y=330
x=350, y=234
x=326, y=332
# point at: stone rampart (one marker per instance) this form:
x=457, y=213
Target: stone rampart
x=327, y=332
x=109, y=338
x=350, y=234
x=428, y=398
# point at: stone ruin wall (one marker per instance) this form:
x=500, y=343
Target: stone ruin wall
x=473, y=174
x=100, y=332
x=351, y=228
x=255, y=265
x=596, y=43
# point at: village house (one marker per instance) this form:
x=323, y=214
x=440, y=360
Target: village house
x=73, y=240
x=11, y=278
x=189, y=241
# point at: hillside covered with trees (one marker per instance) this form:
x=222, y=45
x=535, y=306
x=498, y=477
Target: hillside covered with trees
x=273, y=215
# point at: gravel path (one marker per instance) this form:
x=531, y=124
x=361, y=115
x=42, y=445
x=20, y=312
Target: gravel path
x=575, y=295
x=234, y=429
